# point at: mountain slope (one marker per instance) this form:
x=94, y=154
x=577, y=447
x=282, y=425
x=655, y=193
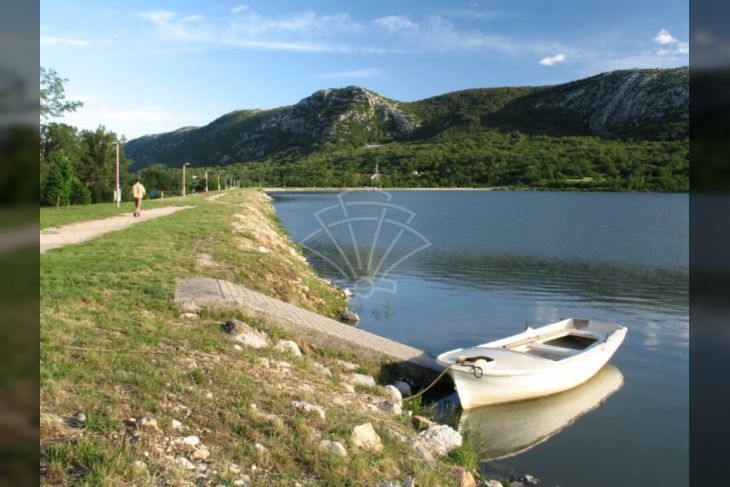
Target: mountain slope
x=647, y=104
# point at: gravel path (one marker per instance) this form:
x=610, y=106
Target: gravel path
x=55, y=237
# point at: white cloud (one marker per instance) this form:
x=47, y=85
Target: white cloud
x=192, y=18
x=664, y=37
x=53, y=41
x=158, y=17
x=239, y=8
x=355, y=73
x=552, y=60
x=396, y=23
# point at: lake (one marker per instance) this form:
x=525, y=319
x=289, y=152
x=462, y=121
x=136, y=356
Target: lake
x=445, y=269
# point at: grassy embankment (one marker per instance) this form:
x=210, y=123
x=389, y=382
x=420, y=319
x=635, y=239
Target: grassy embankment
x=114, y=346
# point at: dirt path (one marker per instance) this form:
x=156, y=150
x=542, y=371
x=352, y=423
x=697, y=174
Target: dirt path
x=55, y=237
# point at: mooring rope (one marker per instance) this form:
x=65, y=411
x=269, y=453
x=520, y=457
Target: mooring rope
x=422, y=391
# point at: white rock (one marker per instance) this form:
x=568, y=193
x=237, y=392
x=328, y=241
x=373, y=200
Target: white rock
x=393, y=394
x=190, y=316
x=288, y=346
x=528, y=479
x=347, y=293
x=264, y=362
x=263, y=249
x=148, y=422
x=322, y=370
x=492, y=483
x=403, y=387
x=307, y=407
x=189, y=443
x=237, y=347
x=392, y=408
x=234, y=468
x=348, y=387
x=281, y=365
x=207, y=394
x=348, y=366
x=176, y=425
x=364, y=436
x=79, y=416
x=201, y=453
x=334, y=447
x=242, y=482
x=440, y=439
x=184, y=462
x=252, y=339
x=261, y=449
x=361, y=380
x=139, y=467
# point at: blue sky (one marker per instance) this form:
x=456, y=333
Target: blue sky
x=152, y=66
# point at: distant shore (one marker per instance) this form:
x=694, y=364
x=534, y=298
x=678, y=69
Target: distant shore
x=367, y=188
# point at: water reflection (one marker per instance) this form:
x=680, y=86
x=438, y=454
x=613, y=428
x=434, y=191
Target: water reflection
x=505, y=430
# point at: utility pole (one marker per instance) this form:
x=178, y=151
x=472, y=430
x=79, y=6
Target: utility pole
x=117, y=192
x=183, y=186
x=206, y=182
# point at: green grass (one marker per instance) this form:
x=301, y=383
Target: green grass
x=114, y=346
x=52, y=217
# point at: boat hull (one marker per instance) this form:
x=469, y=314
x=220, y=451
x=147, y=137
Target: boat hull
x=498, y=386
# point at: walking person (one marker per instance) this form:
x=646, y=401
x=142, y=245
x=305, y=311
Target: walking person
x=138, y=193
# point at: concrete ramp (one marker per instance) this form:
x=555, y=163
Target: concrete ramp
x=301, y=323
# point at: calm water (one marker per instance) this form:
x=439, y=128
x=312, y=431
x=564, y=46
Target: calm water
x=440, y=270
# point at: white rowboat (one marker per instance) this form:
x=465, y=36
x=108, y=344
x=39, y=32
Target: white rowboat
x=537, y=362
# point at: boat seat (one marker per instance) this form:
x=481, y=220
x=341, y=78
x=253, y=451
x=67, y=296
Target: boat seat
x=551, y=351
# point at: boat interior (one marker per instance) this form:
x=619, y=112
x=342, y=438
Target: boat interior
x=557, y=346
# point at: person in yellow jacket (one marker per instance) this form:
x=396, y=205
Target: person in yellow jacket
x=138, y=193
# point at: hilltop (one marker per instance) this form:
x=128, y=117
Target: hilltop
x=643, y=112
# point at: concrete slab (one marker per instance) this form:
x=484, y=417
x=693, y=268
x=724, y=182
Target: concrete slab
x=301, y=323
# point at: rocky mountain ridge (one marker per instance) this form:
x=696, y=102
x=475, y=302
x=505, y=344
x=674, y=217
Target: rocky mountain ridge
x=638, y=104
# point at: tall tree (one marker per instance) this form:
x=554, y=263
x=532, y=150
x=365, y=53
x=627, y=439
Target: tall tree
x=57, y=190
x=53, y=95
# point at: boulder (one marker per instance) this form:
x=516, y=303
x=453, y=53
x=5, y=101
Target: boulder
x=176, y=425
x=392, y=408
x=364, y=436
x=252, y=339
x=308, y=407
x=492, y=483
x=440, y=439
x=288, y=346
x=349, y=316
x=333, y=447
x=361, y=380
x=321, y=369
x=185, y=463
x=393, y=394
x=403, y=387
x=464, y=478
x=348, y=366
x=201, y=453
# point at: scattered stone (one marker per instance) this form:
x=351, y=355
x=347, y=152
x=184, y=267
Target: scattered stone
x=261, y=449
x=349, y=316
x=393, y=394
x=79, y=417
x=321, y=369
x=190, y=316
x=364, y=436
x=148, y=422
x=189, y=307
x=529, y=480
x=245, y=482
x=252, y=339
x=185, y=463
x=403, y=387
x=333, y=447
x=189, y=443
x=263, y=249
x=264, y=362
x=348, y=366
x=492, y=483
x=464, y=477
x=176, y=425
x=234, y=468
x=281, y=365
x=288, y=346
x=423, y=451
x=361, y=380
x=207, y=394
x=347, y=293
x=237, y=347
x=348, y=387
x=201, y=453
x=139, y=467
x=440, y=439
x=393, y=409
x=307, y=407
x=235, y=327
